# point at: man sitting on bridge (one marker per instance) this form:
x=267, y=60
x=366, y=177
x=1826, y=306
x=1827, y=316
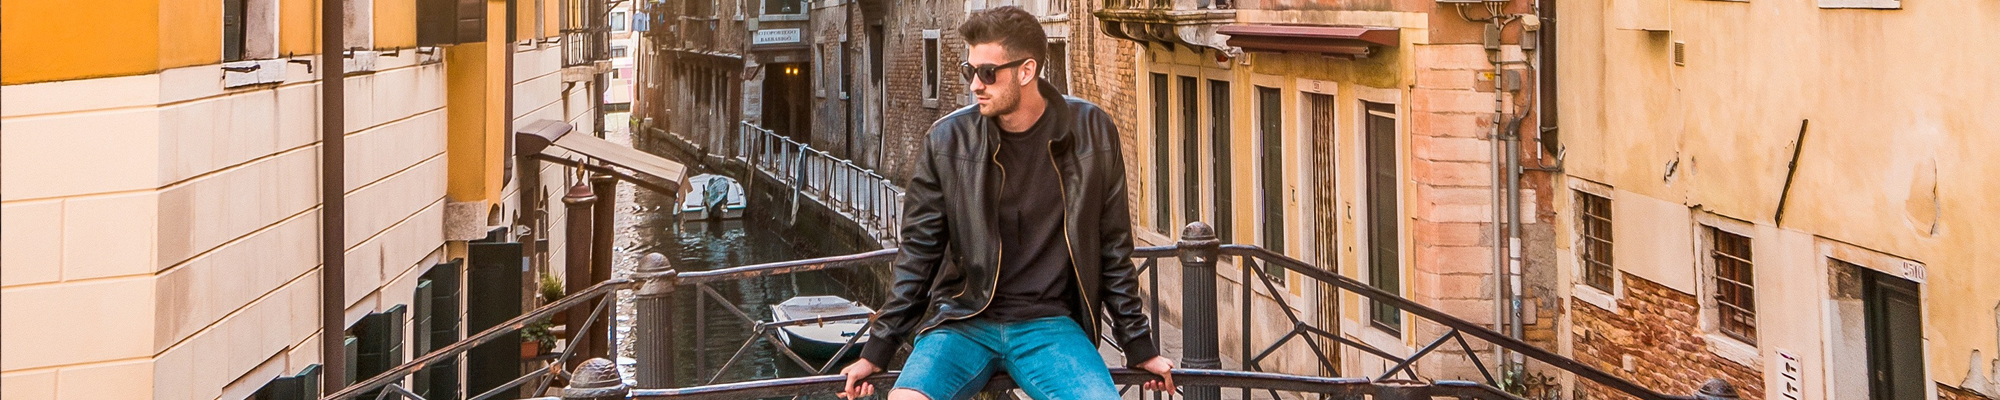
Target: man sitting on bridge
x=1016, y=238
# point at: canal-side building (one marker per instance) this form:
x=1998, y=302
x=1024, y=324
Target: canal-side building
x=1363, y=137
x=691, y=56
x=162, y=166
x=1790, y=195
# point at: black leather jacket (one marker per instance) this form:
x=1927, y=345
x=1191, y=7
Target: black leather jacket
x=950, y=250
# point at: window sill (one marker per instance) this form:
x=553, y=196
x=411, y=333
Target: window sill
x=252, y=72
x=1862, y=4
x=1736, y=351
x=930, y=103
x=1596, y=297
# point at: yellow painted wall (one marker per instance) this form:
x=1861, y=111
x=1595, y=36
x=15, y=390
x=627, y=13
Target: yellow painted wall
x=395, y=24
x=1901, y=104
x=466, y=124
x=190, y=32
x=42, y=41
x=298, y=27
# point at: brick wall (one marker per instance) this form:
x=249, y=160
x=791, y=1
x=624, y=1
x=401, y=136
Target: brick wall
x=1659, y=328
x=1102, y=71
x=905, y=119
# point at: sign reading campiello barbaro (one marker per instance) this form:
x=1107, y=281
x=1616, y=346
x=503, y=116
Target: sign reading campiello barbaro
x=775, y=36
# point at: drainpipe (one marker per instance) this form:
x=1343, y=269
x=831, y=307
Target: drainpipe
x=333, y=200
x=1500, y=304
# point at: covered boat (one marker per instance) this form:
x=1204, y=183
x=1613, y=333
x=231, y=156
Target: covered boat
x=710, y=196
x=820, y=340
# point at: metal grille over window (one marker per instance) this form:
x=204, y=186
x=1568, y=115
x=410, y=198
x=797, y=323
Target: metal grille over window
x=1735, y=296
x=1594, y=222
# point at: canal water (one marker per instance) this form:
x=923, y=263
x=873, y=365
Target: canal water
x=646, y=225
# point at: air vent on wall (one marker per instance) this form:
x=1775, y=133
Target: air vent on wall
x=1680, y=53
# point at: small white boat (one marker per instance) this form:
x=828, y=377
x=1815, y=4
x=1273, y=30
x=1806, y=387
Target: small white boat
x=710, y=196
x=820, y=340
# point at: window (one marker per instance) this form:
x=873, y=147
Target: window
x=1271, y=171
x=249, y=30
x=932, y=69
x=784, y=7
x=1325, y=223
x=1056, y=72
x=1878, y=354
x=617, y=23
x=1735, y=291
x=375, y=345
x=1384, y=253
x=303, y=386
x=232, y=29
x=1162, y=163
x=1593, y=227
x=618, y=52
x=435, y=316
x=1191, y=148
x=1218, y=120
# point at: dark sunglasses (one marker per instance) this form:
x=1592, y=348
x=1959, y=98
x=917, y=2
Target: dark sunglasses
x=986, y=73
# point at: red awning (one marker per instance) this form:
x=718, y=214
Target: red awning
x=1343, y=40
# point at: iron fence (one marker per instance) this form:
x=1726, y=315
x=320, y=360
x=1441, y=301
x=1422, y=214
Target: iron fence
x=857, y=193
x=1198, y=255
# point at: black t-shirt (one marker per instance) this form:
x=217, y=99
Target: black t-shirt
x=1036, y=278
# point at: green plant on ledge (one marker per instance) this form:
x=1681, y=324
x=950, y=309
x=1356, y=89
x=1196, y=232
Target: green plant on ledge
x=549, y=287
x=539, y=333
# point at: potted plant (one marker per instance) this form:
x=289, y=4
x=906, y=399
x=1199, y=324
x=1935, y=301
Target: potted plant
x=536, y=338
x=550, y=288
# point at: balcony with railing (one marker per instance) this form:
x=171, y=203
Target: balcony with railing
x=1194, y=260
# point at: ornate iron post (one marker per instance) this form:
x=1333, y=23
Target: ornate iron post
x=604, y=219
x=576, y=264
x=655, y=343
x=1202, y=342
x=596, y=379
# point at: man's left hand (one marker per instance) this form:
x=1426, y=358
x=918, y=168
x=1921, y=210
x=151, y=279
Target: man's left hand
x=1163, y=367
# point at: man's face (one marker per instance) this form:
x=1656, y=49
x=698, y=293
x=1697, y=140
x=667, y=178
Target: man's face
x=1003, y=96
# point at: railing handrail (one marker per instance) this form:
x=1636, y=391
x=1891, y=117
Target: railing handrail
x=1583, y=371
x=463, y=345
x=1338, y=387
x=1476, y=330
x=787, y=267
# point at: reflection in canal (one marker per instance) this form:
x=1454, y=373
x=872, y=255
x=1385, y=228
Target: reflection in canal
x=647, y=226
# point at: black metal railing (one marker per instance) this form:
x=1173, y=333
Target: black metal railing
x=391, y=381
x=1202, y=377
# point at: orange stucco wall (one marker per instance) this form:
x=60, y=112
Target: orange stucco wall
x=395, y=24
x=42, y=41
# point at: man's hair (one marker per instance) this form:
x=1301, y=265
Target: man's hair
x=1014, y=29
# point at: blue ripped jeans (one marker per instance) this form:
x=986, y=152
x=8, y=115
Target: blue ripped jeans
x=1050, y=358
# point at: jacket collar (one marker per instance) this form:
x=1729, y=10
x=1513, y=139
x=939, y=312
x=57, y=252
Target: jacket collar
x=1058, y=110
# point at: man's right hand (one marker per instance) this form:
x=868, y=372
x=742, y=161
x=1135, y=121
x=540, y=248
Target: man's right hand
x=854, y=372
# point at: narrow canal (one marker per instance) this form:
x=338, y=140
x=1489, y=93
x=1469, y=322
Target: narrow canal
x=646, y=225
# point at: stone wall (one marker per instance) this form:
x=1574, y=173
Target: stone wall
x=1658, y=328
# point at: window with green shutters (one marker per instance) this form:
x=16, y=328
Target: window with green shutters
x=1191, y=148
x=1383, y=241
x=1162, y=162
x=1218, y=117
x=1271, y=172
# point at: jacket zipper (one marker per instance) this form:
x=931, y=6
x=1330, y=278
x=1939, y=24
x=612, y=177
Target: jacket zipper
x=1000, y=249
x=1063, y=187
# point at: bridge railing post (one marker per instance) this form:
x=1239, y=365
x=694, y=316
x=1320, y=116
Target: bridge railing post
x=654, y=346
x=576, y=262
x=1202, y=343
